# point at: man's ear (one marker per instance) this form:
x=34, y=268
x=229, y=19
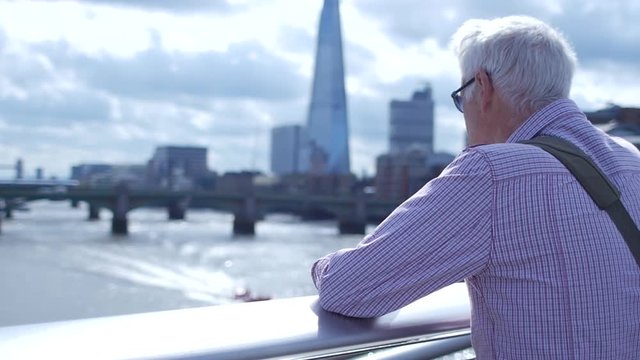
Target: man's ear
x=486, y=90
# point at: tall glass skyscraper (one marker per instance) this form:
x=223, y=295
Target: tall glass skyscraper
x=327, y=129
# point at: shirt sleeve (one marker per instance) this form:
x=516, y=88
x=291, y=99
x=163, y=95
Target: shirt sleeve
x=440, y=235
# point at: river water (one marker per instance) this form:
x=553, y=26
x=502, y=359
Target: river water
x=57, y=265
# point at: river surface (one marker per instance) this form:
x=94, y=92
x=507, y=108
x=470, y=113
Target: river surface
x=57, y=265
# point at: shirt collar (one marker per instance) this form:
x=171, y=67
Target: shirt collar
x=542, y=119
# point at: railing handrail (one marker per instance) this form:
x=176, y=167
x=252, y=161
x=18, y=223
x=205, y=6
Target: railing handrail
x=266, y=329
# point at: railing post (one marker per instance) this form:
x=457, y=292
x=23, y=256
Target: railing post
x=120, y=209
x=244, y=221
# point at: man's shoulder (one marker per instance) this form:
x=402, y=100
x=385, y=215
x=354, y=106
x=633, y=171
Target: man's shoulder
x=514, y=159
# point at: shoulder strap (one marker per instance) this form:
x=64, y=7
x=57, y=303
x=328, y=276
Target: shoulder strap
x=603, y=192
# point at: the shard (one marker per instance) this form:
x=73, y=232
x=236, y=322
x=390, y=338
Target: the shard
x=328, y=150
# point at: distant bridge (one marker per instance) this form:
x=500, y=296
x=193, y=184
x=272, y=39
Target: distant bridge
x=351, y=211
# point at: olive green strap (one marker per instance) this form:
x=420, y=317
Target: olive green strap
x=603, y=192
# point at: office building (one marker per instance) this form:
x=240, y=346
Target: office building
x=411, y=123
x=171, y=166
x=400, y=175
x=327, y=151
x=286, y=149
x=85, y=173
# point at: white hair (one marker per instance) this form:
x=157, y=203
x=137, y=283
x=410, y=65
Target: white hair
x=529, y=63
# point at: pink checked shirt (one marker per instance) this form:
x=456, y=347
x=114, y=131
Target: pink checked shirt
x=548, y=273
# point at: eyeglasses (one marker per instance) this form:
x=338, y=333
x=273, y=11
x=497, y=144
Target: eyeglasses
x=457, y=99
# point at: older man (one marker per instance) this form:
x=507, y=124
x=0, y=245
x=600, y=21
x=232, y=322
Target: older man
x=549, y=274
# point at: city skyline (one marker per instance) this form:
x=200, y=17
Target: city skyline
x=76, y=87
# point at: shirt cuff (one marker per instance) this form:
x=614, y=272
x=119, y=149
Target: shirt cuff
x=318, y=269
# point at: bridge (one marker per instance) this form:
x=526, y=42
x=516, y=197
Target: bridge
x=352, y=212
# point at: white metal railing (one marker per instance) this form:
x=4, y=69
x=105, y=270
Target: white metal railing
x=283, y=328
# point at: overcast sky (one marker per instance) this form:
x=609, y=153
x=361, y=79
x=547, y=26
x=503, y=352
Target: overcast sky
x=108, y=81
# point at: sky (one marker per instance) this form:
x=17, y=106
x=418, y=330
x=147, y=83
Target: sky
x=101, y=81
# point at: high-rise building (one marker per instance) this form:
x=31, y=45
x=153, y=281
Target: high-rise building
x=172, y=164
x=411, y=123
x=327, y=151
x=19, y=169
x=286, y=149
x=83, y=171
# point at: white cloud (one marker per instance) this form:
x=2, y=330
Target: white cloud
x=110, y=80
x=607, y=82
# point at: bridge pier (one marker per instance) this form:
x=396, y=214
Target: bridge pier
x=356, y=221
x=177, y=209
x=244, y=222
x=94, y=212
x=351, y=227
x=3, y=204
x=243, y=226
x=119, y=223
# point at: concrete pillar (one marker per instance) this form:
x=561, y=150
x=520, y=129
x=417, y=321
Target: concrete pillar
x=243, y=225
x=120, y=208
x=94, y=212
x=2, y=205
x=177, y=209
x=351, y=227
x=244, y=222
x=119, y=225
x=355, y=222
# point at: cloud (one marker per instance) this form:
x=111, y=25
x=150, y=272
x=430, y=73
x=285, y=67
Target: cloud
x=52, y=82
x=180, y=6
x=119, y=109
x=209, y=79
x=606, y=82
x=603, y=31
x=3, y=39
x=36, y=91
x=411, y=21
x=59, y=108
x=245, y=70
x=358, y=59
x=296, y=40
x=597, y=29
